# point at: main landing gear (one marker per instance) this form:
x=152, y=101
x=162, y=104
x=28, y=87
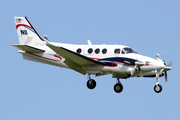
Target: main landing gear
x=91, y=83
x=118, y=87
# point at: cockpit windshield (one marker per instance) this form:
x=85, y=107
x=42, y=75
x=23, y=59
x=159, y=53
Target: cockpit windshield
x=129, y=50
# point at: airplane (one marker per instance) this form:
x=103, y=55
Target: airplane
x=120, y=61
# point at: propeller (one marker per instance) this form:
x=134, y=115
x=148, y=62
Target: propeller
x=166, y=68
x=166, y=80
x=133, y=71
x=138, y=64
x=170, y=64
x=140, y=72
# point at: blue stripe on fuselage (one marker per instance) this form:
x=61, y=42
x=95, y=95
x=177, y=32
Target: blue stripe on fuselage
x=119, y=60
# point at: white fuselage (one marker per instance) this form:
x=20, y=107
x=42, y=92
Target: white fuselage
x=99, y=53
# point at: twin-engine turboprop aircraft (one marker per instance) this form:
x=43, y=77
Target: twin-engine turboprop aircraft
x=119, y=60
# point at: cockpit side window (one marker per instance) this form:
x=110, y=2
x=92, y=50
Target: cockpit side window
x=129, y=50
x=117, y=51
x=122, y=52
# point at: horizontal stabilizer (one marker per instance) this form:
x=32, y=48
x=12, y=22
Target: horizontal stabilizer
x=29, y=48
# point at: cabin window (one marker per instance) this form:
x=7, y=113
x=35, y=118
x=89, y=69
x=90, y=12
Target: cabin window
x=117, y=51
x=104, y=51
x=90, y=50
x=97, y=51
x=79, y=50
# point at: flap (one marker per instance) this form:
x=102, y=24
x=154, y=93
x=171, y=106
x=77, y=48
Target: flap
x=29, y=48
x=75, y=66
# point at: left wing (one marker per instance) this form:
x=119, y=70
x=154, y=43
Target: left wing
x=74, y=60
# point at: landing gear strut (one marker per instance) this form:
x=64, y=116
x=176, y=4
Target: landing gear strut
x=91, y=83
x=118, y=87
x=158, y=87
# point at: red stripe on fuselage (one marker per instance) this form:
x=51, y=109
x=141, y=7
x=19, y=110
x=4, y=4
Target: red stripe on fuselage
x=95, y=58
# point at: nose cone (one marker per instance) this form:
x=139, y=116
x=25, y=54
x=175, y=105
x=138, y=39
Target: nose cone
x=167, y=68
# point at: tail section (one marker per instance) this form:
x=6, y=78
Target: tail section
x=26, y=32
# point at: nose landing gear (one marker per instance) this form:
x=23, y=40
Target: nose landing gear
x=157, y=87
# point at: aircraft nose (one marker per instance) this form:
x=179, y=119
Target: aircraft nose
x=159, y=65
x=167, y=68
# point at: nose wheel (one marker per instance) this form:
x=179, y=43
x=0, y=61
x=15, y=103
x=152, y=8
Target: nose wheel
x=158, y=88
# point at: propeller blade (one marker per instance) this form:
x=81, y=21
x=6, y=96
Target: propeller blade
x=166, y=79
x=140, y=72
x=133, y=71
x=164, y=59
x=159, y=73
x=170, y=64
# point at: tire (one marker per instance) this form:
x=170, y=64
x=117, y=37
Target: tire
x=91, y=84
x=118, y=87
x=158, y=88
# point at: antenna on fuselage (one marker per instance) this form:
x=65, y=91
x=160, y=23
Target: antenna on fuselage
x=89, y=42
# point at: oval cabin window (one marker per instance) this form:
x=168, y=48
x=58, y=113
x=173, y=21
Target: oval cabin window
x=90, y=50
x=97, y=51
x=104, y=51
x=78, y=50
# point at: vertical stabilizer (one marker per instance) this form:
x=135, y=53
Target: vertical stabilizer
x=26, y=33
